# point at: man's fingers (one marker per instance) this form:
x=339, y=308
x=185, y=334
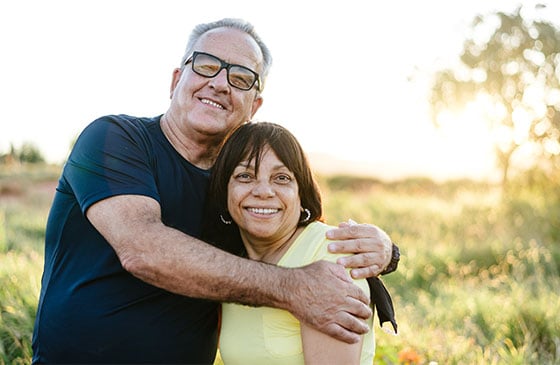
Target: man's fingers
x=347, y=328
x=351, y=229
x=359, y=260
x=364, y=265
x=357, y=308
x=341, y=274
x=335, y=305
x=349, y=321
x=358, y=238
x=352, y=323
x=357, y=300
x=340, y=333
x=371, y=248
x=366, y=272
x=348, y=223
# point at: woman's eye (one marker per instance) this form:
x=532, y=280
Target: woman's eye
x=283, y=179
x=243, y=176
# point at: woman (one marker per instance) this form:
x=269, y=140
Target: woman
x=262, y=190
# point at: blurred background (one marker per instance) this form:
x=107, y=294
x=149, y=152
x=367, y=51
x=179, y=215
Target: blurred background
x=351, y=79
x=438, y=121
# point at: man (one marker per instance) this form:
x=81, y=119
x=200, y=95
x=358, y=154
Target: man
x=125, y=279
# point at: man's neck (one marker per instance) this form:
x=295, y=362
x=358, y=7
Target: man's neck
x=199, y=153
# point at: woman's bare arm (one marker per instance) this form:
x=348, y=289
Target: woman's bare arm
x=320, y=349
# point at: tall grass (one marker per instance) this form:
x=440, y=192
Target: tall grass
x=478, y=282
x=25, y=197
x=479, y=279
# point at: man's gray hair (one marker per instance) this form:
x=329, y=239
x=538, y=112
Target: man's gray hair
x=239, y=24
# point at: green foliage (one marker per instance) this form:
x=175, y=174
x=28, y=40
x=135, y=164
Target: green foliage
x=478, y=280
x=479, y=273
x=508, y=70
x=19, y=287
x=27, y=153
x=30, y=153
x=25, y=196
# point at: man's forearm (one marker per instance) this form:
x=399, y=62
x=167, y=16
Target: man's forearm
x=167, y=258
x=321, y=294
x=187, y=266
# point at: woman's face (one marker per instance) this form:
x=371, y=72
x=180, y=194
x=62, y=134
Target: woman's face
x=266, y=207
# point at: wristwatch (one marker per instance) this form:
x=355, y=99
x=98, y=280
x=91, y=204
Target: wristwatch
x=394, y=263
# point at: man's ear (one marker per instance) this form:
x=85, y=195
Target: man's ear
x=256, y=105
x=175, y=77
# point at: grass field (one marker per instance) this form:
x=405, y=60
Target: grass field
x=478, y=282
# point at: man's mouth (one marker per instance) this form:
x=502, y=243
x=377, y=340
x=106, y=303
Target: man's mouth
x=212, y=103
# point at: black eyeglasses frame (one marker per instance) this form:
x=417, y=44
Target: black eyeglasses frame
x=227, y=66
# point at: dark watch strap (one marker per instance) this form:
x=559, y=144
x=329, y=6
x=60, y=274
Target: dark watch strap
x=394, y=264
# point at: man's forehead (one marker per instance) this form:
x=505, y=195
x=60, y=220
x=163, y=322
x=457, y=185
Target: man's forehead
x=228, y=42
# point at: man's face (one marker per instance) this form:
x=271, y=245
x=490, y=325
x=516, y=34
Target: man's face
x=212, y=107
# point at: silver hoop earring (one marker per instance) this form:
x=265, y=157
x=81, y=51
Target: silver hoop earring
x=224, y=221
x=307, y=215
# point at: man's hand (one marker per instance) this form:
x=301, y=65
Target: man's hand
x=370, y=244
x=323, y=296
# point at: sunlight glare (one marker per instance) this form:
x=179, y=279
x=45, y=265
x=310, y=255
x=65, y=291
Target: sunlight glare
x=521, y=124
x=467, y=131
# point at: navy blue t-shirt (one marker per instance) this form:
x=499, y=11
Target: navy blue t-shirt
x=92, y=310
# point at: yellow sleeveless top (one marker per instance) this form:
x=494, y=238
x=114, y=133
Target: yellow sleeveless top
x=271, y=336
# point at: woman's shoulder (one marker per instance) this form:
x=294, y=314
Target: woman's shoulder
x=310, y=246
x=316, y=228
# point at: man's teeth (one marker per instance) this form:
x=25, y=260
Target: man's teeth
x=263, y=210
x=210, y=102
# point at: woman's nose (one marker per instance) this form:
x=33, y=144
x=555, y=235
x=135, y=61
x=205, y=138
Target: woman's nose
x=263, y=189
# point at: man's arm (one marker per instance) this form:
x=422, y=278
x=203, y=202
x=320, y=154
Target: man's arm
x=371, y=245
x=321, y=294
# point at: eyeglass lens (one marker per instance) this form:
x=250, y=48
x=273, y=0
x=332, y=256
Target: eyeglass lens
x=209, y=66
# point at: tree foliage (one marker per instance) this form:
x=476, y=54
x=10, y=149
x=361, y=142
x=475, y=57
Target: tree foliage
x=27, y=153
x=510, y=66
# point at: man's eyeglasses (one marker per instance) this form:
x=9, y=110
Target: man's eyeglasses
x=207, y=65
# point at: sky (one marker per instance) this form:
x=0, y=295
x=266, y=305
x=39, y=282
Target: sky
x=65, y=63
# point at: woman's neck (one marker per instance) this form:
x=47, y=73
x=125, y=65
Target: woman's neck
x=269, y=252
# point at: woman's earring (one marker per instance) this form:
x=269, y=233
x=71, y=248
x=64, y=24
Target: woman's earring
x=224, y=221
x=307, y=215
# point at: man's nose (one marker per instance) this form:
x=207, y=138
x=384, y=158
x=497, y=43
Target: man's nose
x=220, y=81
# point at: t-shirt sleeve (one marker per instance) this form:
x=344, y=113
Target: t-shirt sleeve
x=111, y=157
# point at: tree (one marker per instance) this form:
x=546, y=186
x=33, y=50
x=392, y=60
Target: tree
x=27, y=153
x=30, y=153
x=510, y=66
